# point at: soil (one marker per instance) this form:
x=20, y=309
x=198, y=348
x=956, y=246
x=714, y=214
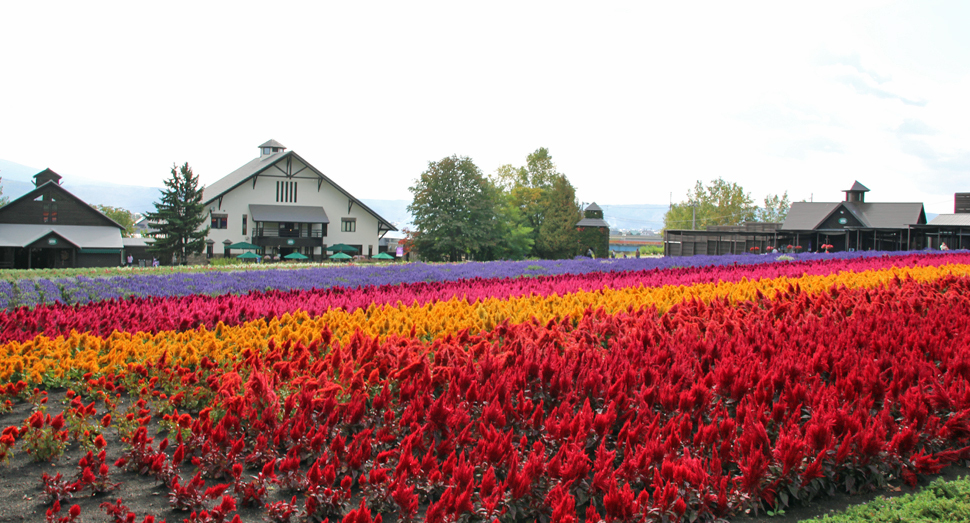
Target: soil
x=22, y=497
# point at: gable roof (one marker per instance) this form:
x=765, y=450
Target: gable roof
x=804, y=216
x=257, y=165
x=33, y=193
x=807, y=215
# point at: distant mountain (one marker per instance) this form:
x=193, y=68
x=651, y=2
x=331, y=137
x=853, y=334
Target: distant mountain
x=634, y=217
x=18, y=179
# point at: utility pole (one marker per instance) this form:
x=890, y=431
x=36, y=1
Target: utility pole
x=693, y=216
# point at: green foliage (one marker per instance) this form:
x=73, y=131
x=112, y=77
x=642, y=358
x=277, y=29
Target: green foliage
x=775, y=209
x=544, y=203
x=454, y=211
x=4, y=200
x=178, y=217
x=720, y=203
x=940, y=502
x=558, y=237
x=123, y=217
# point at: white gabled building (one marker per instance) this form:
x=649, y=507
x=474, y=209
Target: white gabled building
x=283, y=204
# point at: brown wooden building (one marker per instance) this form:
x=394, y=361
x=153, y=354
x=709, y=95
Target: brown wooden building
x=51, y=228
x=849, y=225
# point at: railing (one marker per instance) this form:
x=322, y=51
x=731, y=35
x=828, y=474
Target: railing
x=277, y=233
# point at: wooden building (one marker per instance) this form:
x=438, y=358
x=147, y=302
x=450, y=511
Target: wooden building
x=51, y=228
x=849, y=225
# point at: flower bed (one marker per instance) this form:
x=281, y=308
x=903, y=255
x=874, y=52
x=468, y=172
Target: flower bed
x=691, y=393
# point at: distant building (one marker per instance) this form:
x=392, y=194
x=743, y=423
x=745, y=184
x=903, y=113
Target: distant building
x=48, y=227
x=852, y=224
x=282, y=204
x=594, y=232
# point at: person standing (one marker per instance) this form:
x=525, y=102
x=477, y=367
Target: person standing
x=131, y=259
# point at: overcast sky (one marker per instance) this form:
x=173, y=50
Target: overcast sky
x=634, y=100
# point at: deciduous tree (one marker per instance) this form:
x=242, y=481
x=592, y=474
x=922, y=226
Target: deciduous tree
x=720, y=203
x=775, y=209
x=179, y=216
x=454, y=211
x=123, y=217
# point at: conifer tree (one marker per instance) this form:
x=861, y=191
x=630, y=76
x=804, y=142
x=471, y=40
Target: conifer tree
x=178, y=217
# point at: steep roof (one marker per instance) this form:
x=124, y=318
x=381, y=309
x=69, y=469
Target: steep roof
x=36, y=191
x=884, y=215
x=257, y=165
x=593, y=207
x=803, y=216
x=807, y=215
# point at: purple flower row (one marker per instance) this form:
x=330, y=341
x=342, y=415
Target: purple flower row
x=81, y=289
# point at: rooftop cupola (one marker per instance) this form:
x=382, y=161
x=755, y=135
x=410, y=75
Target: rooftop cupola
x=857, y=193
x=271, y=147
x=45, y=176
x=593, y=211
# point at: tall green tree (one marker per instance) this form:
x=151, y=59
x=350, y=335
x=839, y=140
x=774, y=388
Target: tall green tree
x=179, y=216
x=719, y=203
x=123, y=217
x=558, y=237
x=454, y=211
x=539, y=191
x=775, y=209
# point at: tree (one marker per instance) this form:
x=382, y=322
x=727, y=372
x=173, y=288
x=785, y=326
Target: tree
x=178, y=217
x=775, y=209
x=558, y=237
x=123, y=217
x=720, y=203
x=4, y=200
x=454, y=211
x=533, y=191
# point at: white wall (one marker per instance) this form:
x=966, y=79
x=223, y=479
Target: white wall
x=236, y=202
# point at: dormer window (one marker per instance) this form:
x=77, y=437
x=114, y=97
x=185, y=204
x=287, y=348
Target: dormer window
x=267, y=150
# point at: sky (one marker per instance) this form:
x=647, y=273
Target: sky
x=636, y=101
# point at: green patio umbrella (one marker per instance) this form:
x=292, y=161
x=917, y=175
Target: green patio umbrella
x=244, y=246
x=248, y=256
x=295, y=256
x=383, y=256
x=342, y=247
x=341, y=256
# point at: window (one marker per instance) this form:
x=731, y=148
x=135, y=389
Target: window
x=50, y=212
x=244, y=224
x=348, y=225
x=220, y=221
x=286, y=192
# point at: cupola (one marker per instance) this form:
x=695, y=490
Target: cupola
x=271, y=147
x=857, y=193
x=45, y=176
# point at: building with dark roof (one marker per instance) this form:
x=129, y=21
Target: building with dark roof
x=283, y=204
x=594, y=232
x=51, y=228
x=852, y=224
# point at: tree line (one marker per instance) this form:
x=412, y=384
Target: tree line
x=724, y=203
x=521, y=212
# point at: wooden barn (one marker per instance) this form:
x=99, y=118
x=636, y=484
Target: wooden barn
x=51, y=228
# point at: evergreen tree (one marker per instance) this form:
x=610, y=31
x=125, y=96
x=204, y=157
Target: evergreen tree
x=178, y=217
x=558, y=237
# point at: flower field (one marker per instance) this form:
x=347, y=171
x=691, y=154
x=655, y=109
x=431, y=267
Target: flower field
x=620, y=391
